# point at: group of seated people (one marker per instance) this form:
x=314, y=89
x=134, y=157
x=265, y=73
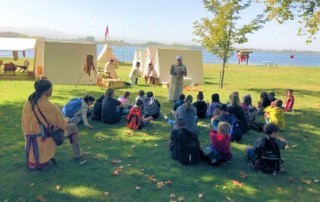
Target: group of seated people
x=110, y=110
x=223, y=129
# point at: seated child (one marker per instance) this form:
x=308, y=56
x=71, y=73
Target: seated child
x=137, y=108
x=82, y=112
x=97, y=109
x=177, y=104
x=219, y=150
x=275, y=114
x=201, y=106
x=141, y=97
x=271, y=96
x=289, y=101
x=263, y=103
x=270, y=131
x=215, y=101
x=124, y=99
x=180, y=130
x=151, y=106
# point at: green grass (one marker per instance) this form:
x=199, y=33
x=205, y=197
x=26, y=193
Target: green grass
x=146, y=153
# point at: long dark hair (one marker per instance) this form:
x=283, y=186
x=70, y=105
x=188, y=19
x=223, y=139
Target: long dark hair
x=188, y=102
x=40, y=86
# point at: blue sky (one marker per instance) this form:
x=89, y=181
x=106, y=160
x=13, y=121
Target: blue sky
x=165, y=21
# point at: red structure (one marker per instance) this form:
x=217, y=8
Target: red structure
x=243, y=55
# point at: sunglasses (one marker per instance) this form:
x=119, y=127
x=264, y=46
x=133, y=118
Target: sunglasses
x=178, y=60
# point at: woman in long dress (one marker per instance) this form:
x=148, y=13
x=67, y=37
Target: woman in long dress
x=178, y=71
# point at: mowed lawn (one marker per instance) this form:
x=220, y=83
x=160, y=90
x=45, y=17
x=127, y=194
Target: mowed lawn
x=147, y=171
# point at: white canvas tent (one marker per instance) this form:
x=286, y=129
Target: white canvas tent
x=16, y=44
x=140, y=56
x=192, y=59
x=62, y=62
x=106, y=54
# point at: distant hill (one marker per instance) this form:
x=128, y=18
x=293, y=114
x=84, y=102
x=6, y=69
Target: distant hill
x=18, y=35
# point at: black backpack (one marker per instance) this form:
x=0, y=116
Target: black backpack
x=268, y=158
x=235, y=129
x=188, y=147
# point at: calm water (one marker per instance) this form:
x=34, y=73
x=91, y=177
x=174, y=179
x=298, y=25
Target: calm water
x=126, y=54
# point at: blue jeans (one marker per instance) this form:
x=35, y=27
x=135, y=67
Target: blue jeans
x=172, y=122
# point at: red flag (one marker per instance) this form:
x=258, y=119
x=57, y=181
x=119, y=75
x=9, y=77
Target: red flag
x=106, y=33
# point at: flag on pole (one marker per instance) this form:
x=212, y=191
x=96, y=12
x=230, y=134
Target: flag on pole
x=106, y=33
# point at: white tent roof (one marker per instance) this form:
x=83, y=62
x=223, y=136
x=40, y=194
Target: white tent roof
x=11, y=44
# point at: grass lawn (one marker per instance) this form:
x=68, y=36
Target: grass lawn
x=149, y=173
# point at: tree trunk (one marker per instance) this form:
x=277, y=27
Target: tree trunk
x=222, y=73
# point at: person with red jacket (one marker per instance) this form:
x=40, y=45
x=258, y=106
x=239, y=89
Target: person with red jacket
x=289, y=101
x=219, y=150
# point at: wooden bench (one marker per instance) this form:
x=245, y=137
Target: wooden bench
x=270, y=63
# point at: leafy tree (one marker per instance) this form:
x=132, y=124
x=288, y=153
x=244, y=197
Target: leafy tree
x=219, y=34
x=306, y=12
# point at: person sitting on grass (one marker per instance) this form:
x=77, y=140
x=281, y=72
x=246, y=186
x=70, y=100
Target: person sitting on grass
x=186, y=112
x=270, y=131
x=151, y=106
x=263, y=103
x=97, y=109
x=215, y=101
x=221, y=114
x=144, y=120
x=40, y=149
x=219, y=150
x=251, y=113
x=201, y=106
x=271, y=96
x=141, y=97
x=236, y=109
x=177, y=104
x=289, y=101
x=180, y=130
x=124, y=99
x=85, y=111
x=111, y=108
x=275, y=114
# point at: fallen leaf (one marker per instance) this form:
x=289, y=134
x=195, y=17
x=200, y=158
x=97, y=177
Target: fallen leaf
x=306, y=181
x=137, y=188
x=200, y=195
x=31, y=184
x=224, y=187
x=41, y=198
x=237, y=183
x=181, y=198
x=243, y=175
x=145, y=134
x=316, y=180
x=160, y=185
x=172, y=195
x=117, y=171
x=130, y=134
x=279, y=189
x=58, y=187
x=115, y=161
x=133, y=146
x=290, y=178
x=106, y=193
x=300, y=188
x=151, y=178
x=293, y=146
x=229, y=199
x=168, y=182
x=156, y=133
x=129, y=165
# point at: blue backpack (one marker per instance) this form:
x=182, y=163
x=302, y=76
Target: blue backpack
x=235, y=130
x=72, y=107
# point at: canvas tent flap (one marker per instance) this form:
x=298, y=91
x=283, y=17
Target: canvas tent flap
x=62, y=62
x=192, y=59
x=106, y=54
x=11, y=44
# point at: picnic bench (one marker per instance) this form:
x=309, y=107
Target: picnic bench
x=270, y=63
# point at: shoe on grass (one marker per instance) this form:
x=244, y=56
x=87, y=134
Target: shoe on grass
x=165, y=116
